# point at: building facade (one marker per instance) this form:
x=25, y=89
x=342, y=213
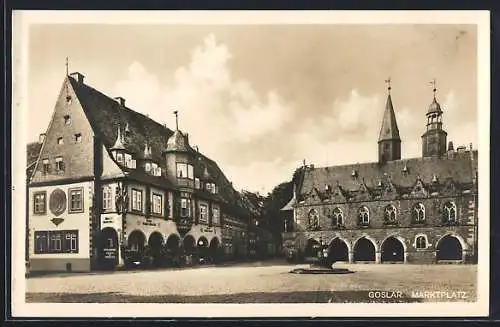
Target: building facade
x=111, y=187
x=415, y=210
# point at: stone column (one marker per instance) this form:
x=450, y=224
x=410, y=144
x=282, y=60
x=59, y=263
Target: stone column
x=405, y=257
x=350, y=255
x=377, y=257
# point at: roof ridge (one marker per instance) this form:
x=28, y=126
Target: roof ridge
x=123, y=107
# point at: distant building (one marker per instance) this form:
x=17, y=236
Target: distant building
x=107, y=185
x=415, y=210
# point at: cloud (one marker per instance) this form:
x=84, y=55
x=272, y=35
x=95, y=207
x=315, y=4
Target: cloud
x=216, y=110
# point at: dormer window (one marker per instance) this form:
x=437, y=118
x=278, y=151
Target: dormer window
x=78, y=138
x=67, y=120
x=46, y=166
x=60, y=140
x=147, y=167
x=209, y=187
x=59, y=164
x=354, y=174
x=119, y=157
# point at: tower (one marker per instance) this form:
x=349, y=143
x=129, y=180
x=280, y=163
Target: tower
x=434, y=138
x=389, y=142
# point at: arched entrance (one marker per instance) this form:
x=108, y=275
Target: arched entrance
x=449, y=248
x=172, y=248
x=108, y=248
x=155, y=244
x=136, y=242
x=338, y=251
x=214, y=249
x=312, y=248
x=189, y=246
x=203, y=249
x=364, y=250
x=392, y=250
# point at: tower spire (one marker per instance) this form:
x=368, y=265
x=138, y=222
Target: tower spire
x=67, y=67
x=389, y=141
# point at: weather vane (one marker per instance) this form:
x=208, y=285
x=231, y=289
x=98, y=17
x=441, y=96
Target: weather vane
x=433, y=83
x=388, y=82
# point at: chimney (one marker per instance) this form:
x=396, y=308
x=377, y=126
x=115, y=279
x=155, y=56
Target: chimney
x=78, y=76
x=121, y=101
x=41, y=138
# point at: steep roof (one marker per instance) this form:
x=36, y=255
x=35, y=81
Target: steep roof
x=105, y=113
x=403, y=174
x=32, y=151
x=389, y=129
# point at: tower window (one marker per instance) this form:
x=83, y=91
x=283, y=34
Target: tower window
x=78, y=138
x=67, y=120
x=60, y=140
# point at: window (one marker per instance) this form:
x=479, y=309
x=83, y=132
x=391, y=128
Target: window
x=364, y=216
x=78, y=138
x=185, y=171
x=59, y=164
x=157, y=204
x=40, y=203
x=208, y=186
x=313, y=219
x=185, y=207
x=56, y=242
x=450, y=212
x=119, y=157
x=215, y=216
x=421, y=242
x=60, y=140
x=147, y=167
x=67, y=120
x=418, y=213
x=46, y=166
x=76, y=200
x=65, y=241
x=390, y=214
x=136, y=200
x=197, y=183
x=106, y=198
x=338, y=218
x=203, y=213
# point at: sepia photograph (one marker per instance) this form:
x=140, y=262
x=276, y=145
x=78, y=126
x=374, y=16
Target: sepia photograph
x=282, y=163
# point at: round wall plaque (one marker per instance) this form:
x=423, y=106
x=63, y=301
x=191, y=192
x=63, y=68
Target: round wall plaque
x=57, y=202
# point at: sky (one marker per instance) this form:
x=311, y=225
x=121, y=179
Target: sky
x=260, y=99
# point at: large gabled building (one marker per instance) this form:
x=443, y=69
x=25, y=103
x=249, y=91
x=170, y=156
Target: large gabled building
x=415, y=210
x=110, y=185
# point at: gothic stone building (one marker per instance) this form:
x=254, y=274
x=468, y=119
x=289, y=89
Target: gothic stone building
x=415, y=210
x=109, y=181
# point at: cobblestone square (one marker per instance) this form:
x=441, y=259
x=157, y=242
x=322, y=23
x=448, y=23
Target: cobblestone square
x=261, y=283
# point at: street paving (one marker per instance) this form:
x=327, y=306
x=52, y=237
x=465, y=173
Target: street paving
x=254, y=283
